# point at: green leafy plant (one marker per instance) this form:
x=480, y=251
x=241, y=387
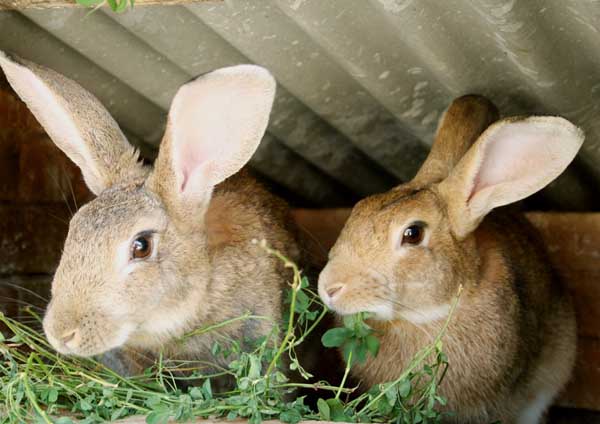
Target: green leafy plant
x=118, y=6
x=39, y=385
x=356, y=338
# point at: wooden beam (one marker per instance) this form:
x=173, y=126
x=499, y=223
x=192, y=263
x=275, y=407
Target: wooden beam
x=47, y=4
x=573, y=243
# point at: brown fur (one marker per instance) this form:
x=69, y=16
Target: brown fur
x=227, y=274
x=512, y=336
x=464, y=120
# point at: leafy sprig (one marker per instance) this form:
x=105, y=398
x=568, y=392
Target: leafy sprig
x=356, y=338
x=118, y=6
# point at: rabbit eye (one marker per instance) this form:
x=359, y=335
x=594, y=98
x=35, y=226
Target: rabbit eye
x=141, y=247
x=413, y=234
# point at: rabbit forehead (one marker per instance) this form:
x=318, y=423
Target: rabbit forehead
x=113, y=216
x=372, y=217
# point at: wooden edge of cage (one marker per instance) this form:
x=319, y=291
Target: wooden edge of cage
x=54, y=4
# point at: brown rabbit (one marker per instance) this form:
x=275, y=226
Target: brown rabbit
x=403, y=254
x=164, y=250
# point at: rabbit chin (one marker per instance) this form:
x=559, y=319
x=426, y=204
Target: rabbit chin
x=381, y=311
x=385, y=312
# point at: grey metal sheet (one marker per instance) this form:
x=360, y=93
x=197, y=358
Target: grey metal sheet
x=362, y=83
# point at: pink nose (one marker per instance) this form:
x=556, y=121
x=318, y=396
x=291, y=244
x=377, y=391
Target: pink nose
x=70, y=338
x=334, y=289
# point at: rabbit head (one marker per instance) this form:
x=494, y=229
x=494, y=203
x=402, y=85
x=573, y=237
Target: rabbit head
x=403, y=254
x=124, y=276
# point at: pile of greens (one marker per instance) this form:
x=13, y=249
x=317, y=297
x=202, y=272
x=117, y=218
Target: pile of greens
x=39, y=385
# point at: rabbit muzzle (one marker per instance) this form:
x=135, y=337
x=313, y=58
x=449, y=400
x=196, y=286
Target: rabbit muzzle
x=347, y=290
x=83, y=334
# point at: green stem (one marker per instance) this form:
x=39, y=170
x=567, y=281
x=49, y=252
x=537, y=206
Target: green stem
x=31, y=395
x=315, y=386
x=213, y=327
x=289, y=333
x=311, y=328
x=296, y=286
x=421, y=356
x=346, y=372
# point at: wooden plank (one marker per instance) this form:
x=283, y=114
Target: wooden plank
x=31, y=237
x=142, y=420
x=46, y=4
x=573, y=243
x=557, y=415
x=584, y=389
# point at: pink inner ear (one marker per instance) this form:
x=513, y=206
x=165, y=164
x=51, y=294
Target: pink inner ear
x=215, y=125
x=200, y=138
x=512, y=153
x=190, y=158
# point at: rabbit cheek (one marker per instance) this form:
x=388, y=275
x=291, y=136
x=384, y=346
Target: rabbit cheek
x=420, y=293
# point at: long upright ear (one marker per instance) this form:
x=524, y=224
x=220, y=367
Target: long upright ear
x=511, y=160
x=77, y=123
x=464, y=120
x=215, y=124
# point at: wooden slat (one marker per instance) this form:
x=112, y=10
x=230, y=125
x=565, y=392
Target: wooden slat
x=584, y=389
x=45, y=4
x=31, y=237
x=142, y=420
x=573, y=242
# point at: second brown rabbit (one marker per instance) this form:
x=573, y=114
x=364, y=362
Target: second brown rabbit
x=403, y=254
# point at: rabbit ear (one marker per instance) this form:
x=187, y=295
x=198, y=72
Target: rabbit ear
x=464, y=120
x=215, y=124
x=77, y=123
x=511, y=160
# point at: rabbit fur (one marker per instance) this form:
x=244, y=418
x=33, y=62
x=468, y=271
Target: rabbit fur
x=511, y=341
x=198, y=214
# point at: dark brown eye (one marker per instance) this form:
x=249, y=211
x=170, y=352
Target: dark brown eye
x=141, y=248
x=413, y=234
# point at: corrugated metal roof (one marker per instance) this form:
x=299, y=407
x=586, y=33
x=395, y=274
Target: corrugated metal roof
x=361, y=83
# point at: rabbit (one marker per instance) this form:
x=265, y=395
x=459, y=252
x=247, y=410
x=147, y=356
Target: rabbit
x=402, y=256
x=163, y=250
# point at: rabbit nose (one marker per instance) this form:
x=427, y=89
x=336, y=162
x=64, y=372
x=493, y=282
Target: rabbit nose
x=70, y=338
x=333, y=290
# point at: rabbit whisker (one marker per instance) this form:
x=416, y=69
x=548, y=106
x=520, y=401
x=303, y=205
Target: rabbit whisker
x=314, y=239
x=20, y=302
x=140, y=355
x=18, y=287
x=57, y=218
x=62, y=193
x=70, y=184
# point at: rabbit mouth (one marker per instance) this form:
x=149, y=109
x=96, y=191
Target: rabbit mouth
x=378, y=310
